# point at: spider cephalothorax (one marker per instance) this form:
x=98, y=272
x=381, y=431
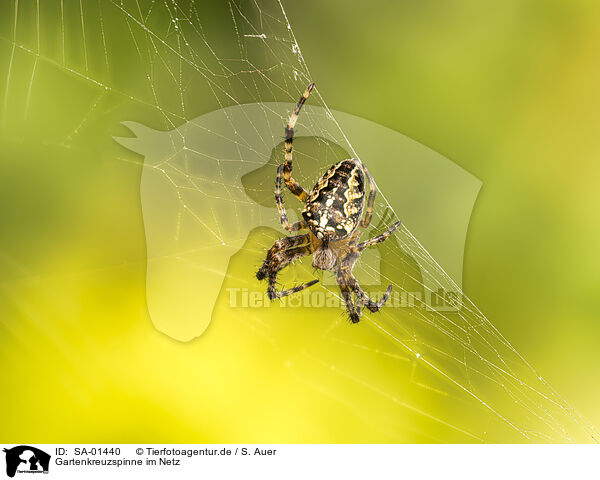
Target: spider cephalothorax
x=332, y=213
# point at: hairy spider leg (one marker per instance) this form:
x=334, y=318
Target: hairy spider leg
x=283, y=260
x=347, y=281
x=277, y=250
x=292, y=185
x=284, y=251
x=365, y=222
x=372, y=305
x=352, y=308
x=379, y=238
x=273, y=294
x=294, y=227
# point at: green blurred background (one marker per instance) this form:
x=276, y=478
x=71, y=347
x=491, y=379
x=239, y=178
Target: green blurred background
x=506, y=90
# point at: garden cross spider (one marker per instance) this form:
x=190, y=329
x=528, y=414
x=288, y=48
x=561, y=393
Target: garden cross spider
x=332, y=212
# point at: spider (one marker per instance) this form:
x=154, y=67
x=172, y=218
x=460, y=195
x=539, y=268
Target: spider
x=332, y=214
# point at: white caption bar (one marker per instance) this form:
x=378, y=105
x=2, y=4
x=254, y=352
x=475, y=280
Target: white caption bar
x=64, y=461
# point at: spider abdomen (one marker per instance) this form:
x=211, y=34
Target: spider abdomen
x=335, y=204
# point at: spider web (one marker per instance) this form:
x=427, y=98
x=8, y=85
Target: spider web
x=164, y=64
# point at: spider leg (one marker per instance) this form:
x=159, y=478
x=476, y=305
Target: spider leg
x=286, y=257
x=372, y=305
x=352, y=308
x=365, y=222
x=379, y=238
x=277, y=253
x=292, y=185
x=294, y=227
x=279, y=256
x=347, y=280
x=344, y=279
x=273, y=294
